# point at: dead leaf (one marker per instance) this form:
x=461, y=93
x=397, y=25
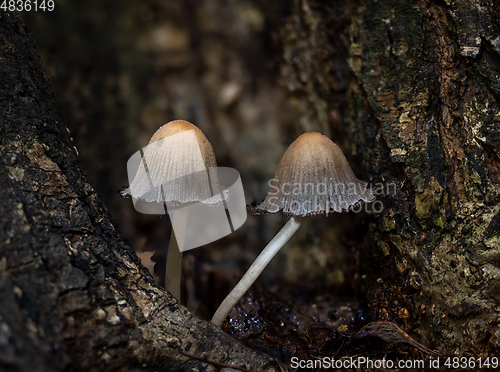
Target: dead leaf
x=391, y=333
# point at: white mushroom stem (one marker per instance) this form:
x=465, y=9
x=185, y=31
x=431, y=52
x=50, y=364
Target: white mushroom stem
x=173, y=269
x=254, y=271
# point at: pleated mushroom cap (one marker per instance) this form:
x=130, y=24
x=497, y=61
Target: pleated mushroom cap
x=178, y=167
x=313, y=177
x=180, y=126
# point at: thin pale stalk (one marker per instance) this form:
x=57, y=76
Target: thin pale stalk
x=254, y=271
x=173, y=269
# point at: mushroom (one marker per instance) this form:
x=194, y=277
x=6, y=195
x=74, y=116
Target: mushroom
x=313, y=178
x=177, y=168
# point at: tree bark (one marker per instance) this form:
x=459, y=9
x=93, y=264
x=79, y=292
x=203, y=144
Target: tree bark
x=415, y=86
x=73, y=295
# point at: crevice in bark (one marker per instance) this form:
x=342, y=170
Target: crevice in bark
x=74, y=295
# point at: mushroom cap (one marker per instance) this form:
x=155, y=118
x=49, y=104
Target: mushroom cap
x=178, y=126
x=313, y=177
x=178, y=167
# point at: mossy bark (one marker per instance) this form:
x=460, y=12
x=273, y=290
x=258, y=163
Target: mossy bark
x=73, y=295
x=411, y=89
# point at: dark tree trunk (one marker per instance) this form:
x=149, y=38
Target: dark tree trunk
x=73, y=295
x=415, y=86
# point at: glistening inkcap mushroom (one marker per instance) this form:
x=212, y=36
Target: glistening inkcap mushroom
x=313, y=178
x=176, y=168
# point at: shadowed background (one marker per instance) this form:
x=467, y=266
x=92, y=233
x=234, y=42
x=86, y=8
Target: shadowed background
x=122, y=70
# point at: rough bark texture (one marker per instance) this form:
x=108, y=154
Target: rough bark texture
x=73, y=295
x=416, y=85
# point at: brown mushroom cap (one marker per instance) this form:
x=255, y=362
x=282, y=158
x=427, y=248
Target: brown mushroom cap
x=313, y=177
x=178, y=167
x=179, y=126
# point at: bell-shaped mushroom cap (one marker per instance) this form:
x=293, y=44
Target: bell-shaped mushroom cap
x=313, y=177
x=178, y=167
x=180, y=126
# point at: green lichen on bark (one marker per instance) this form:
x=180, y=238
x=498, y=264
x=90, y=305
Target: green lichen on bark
x=423, y=112
x=425, y=94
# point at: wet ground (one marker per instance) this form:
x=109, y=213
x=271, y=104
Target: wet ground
x=293, y=324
